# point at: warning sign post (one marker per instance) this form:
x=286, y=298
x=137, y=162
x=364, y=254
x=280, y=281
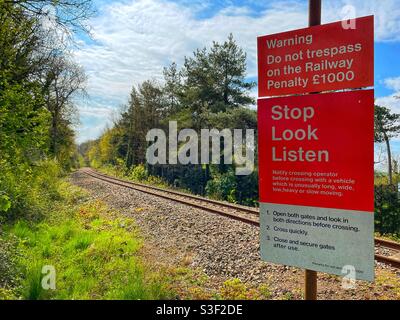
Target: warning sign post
x=316, y=150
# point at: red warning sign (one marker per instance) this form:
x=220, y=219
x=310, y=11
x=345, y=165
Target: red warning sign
x=317, y=150
x=327, y=57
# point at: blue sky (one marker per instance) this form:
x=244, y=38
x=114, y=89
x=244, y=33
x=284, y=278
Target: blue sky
x=134, y=39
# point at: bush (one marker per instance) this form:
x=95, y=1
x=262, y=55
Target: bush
x=5, y=203
x=9, y=271
x=139, y=173
x=27, y=191
x=222, y=187
x=387, y=210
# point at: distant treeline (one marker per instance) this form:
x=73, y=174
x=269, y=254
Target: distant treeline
x=209, y=91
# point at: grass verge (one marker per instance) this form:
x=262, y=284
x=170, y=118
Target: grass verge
x=89, y=250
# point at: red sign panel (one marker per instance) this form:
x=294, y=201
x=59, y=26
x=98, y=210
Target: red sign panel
x=328, y=57
x=317, y=150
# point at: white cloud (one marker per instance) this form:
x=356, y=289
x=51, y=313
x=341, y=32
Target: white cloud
x=235, y=11
x=95, y=116
x=387, y=15
x=96, y=112
x=90, y=132
x=393, y=83
x=392, y=101
x=134, y=40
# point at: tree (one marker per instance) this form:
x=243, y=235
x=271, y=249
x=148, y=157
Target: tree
x=70, y=16
x=107, y=146
x=146, y=107
x=23, y=118
x=173, y=87
x=34, y=56
x=387, y=126
x=62, y=82
x=228, y=61
x=214, y=80
x=36, y=104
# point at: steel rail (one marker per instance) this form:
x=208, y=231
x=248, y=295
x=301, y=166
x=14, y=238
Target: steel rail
x=389, y=260
x=249, y=210
x=130, y=185
x=388, y=244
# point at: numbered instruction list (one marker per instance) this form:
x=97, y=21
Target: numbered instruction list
x=305, y=237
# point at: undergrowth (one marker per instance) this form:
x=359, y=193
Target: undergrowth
x=94, y=251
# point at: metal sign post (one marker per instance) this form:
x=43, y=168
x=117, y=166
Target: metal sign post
x=314, y=16
x=310, y=279
x=310, y=287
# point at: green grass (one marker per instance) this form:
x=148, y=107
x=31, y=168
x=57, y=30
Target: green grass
x=95, y=253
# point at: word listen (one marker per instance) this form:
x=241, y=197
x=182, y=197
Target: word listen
x=305, y=114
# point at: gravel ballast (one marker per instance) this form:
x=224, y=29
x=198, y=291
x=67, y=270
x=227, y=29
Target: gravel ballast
x=222, y=248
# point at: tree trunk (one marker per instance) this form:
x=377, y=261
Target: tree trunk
x=54, y=132
x=389, y=153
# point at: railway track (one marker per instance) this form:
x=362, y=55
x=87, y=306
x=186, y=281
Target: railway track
x=393, y=259
x=240, y=213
